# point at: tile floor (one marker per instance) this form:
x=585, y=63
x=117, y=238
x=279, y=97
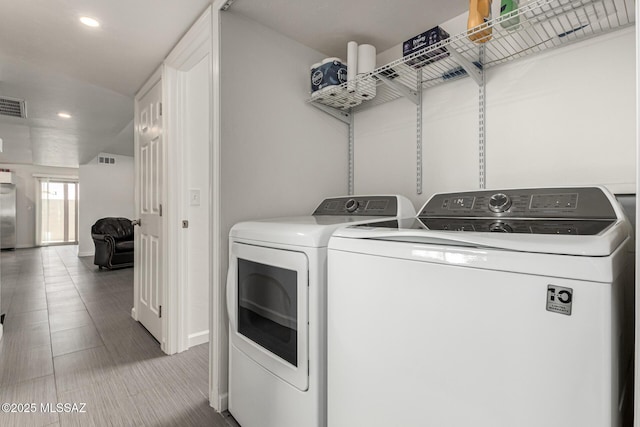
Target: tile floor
x=69, y=338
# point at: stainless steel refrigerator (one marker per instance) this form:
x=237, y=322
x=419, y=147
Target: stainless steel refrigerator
x=7, y=216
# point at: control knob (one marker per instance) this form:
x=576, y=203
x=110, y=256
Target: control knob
x=351, y=205
x=500, y=227
x=499, y=202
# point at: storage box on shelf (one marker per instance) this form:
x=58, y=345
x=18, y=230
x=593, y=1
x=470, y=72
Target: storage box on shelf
x=543, y=24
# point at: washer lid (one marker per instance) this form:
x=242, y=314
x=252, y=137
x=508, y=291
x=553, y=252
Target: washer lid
x=603, y=243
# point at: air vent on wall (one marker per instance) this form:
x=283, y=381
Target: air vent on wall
x=106, y=160
x=12, y=107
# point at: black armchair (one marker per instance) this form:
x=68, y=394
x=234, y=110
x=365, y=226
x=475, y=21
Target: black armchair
x=113, y=238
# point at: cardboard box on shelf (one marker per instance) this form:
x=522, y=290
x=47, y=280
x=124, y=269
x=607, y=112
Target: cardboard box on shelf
x=421, y=41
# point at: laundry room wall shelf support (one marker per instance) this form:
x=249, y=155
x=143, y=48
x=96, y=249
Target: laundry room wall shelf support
x=346, y=118
x=419, y=141
x=407, y=92
x=540, y=25
x=350, y=155
x=343, y=116
x=482, y=141
x=332, y=101
x=469, y=67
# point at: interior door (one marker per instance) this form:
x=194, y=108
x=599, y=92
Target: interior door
x=148, y=243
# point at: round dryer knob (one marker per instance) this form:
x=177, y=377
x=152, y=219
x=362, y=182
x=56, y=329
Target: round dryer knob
x=351, y=205
x=499, y=202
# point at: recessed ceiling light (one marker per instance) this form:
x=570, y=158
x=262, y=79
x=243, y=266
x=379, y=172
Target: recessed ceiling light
x=64, y=115
x=89, y=22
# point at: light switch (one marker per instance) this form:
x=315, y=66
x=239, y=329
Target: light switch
x=194, y=197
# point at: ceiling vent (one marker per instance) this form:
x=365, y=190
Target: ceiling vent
x=12, y=107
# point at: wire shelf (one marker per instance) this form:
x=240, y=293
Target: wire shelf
x=536, y=26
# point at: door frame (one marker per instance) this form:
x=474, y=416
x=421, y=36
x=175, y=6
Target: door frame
x=156, y=76
x=218, y=328
x=203, y=36
x=189, y=52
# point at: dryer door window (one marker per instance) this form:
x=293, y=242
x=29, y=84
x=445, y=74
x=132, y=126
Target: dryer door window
x=267, y=301
x=268, y=307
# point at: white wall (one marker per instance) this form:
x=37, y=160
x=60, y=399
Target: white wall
x=565, y=117
x=197, y=116
x=279, y=155
x=26, y=198
x=105, y=190
x=556, y=120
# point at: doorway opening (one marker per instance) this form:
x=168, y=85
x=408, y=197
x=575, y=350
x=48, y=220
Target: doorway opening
x=57, y=212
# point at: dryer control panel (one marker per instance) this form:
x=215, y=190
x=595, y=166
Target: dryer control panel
x=359, y=205
x=539, y=203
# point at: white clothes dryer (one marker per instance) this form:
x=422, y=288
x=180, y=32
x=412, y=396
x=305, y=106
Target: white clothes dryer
x=490, y=309
x=276, y=300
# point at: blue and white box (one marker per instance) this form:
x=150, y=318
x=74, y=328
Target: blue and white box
x=422, y=41
x=330, y=72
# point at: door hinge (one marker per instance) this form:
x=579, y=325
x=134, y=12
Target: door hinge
x=160, y=109
x=160, y=209
x=160, y=312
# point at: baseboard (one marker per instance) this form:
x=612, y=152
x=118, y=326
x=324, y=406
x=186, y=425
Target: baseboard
x=133, y=314
x=25, y=246
x=1, y=331
x=224, y=403
x=198, y=338
x=87, y=253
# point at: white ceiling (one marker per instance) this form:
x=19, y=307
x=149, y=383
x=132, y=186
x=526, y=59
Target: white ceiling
x=53, y=62
x=327, y=25
x=57, y=64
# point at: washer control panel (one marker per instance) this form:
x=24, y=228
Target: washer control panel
x=565, y=203
x=359, y=205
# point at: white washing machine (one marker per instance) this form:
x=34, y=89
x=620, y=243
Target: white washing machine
x=276, y=300
x=509, y=308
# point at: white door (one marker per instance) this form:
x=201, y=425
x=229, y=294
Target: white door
x=267, y=302
x=148, y=244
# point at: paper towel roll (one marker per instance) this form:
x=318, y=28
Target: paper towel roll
x=352, y=65
x=366, y=58
x=366, y=88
